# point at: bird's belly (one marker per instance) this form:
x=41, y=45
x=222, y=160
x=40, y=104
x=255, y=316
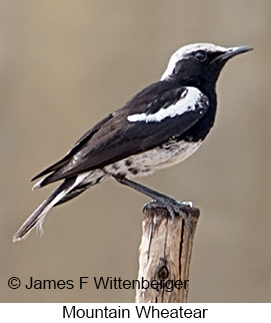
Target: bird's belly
x=146, y=163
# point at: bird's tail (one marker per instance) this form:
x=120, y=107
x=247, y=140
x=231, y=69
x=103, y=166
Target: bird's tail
x=36, y=219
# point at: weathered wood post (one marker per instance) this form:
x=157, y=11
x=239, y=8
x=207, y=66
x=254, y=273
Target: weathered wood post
x=164, y=255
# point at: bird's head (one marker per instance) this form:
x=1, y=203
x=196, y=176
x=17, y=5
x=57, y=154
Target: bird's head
x=199, y=64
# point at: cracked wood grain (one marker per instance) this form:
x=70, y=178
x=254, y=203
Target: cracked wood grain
x=164, y=256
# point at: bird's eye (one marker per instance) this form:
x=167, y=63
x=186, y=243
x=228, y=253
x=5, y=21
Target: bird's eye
x=200, y=55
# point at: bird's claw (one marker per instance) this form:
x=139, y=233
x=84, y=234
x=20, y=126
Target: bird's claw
x=173, y=207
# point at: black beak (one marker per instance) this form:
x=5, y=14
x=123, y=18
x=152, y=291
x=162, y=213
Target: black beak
x=231, y=52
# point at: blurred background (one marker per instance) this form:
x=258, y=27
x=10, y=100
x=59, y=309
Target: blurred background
x=66, y=64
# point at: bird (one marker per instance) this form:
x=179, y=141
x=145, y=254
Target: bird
x=158, y=127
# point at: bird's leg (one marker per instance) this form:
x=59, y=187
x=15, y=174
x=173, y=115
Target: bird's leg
x=160, y=200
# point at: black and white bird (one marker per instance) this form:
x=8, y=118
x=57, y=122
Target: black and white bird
x=158, y=127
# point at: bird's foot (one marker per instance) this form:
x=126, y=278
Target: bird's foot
x=173, y=207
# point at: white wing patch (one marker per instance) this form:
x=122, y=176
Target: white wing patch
x=189, y=101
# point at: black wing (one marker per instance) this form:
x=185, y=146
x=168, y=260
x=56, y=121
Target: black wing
x=156, y=114
x=76, y=147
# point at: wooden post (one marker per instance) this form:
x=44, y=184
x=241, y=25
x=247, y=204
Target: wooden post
x=164, y=256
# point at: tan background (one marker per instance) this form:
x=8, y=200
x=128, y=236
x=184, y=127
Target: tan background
x=66, y=64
